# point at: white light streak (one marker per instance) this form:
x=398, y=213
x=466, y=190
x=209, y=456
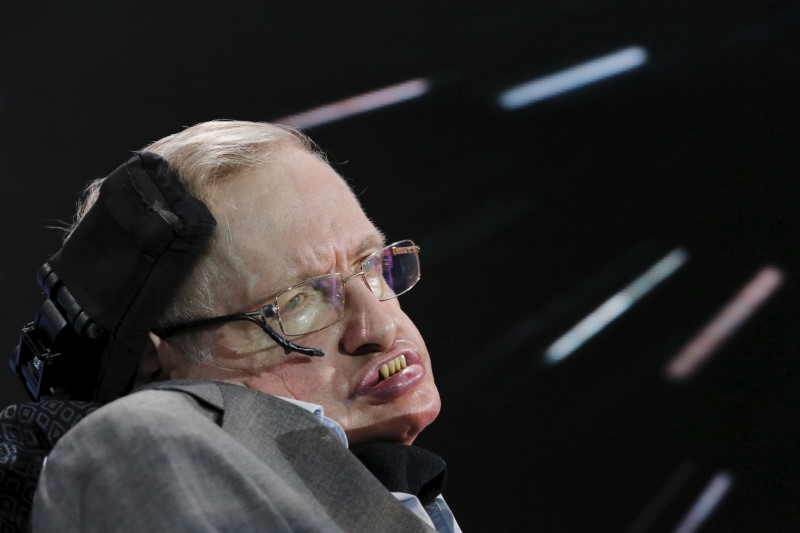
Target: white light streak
x=725, y=323
x=615, y=306
x=355, y=105
x=573, y=77
x=709, y=499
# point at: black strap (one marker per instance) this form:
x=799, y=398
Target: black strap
x=404, y=468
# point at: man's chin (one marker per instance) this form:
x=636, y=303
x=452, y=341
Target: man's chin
x=402, y=429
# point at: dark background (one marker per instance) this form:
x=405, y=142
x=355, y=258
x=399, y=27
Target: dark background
x=528, y=219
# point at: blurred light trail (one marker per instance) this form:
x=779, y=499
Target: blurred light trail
x=727, y=321
x=615, y=306
x=355, y=105
x=709, y=499
x=573, y=78
x=665, y=496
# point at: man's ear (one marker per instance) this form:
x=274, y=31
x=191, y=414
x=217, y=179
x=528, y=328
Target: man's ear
x=157, y=362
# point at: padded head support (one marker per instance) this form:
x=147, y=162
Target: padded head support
x=109, y=283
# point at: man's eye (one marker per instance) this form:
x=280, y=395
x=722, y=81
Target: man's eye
x=296, y=302
x=372, y=263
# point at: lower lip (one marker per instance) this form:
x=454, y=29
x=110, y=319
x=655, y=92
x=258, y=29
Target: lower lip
x=396, y=385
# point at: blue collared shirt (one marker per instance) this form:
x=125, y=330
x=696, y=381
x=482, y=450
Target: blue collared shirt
x=437, y=514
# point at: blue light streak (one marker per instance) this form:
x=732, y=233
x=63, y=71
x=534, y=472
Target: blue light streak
x=573, y=78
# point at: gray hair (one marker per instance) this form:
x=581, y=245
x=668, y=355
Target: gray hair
x=203, y=155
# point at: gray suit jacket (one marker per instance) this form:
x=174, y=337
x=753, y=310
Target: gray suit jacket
x=209, y=456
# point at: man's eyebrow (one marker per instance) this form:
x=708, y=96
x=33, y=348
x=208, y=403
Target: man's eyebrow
x=371, y=243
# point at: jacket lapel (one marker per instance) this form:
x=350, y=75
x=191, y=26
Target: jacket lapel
x=310, y=458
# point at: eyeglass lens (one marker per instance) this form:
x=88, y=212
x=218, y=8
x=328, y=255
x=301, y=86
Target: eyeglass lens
x=319, y=302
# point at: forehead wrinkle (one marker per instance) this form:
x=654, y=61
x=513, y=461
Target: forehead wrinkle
x=314, y=261
x=334, y=248
x=310, y=268
x=322, y=258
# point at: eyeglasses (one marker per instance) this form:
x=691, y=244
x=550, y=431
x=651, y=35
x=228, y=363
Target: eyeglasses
x=319, y=302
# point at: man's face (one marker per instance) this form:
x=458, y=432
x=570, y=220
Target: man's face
x=285, y=223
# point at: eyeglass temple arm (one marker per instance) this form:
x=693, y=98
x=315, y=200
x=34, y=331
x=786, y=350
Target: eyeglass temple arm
x=287, y=345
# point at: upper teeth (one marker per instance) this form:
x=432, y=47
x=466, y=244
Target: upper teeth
x=393, y=367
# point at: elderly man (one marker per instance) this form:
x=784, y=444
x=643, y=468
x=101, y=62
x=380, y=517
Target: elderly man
x=283, y=347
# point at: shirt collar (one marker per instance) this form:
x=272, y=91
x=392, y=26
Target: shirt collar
x=319, y=413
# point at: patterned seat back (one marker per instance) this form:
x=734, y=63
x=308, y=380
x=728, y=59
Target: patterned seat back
x=27, y=433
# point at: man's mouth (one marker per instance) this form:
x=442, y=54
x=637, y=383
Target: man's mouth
x=387, y=380
x=392, y=367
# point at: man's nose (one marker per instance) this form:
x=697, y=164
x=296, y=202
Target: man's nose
x=370, y=325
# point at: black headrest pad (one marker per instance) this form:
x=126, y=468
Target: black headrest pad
x=127, y=256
